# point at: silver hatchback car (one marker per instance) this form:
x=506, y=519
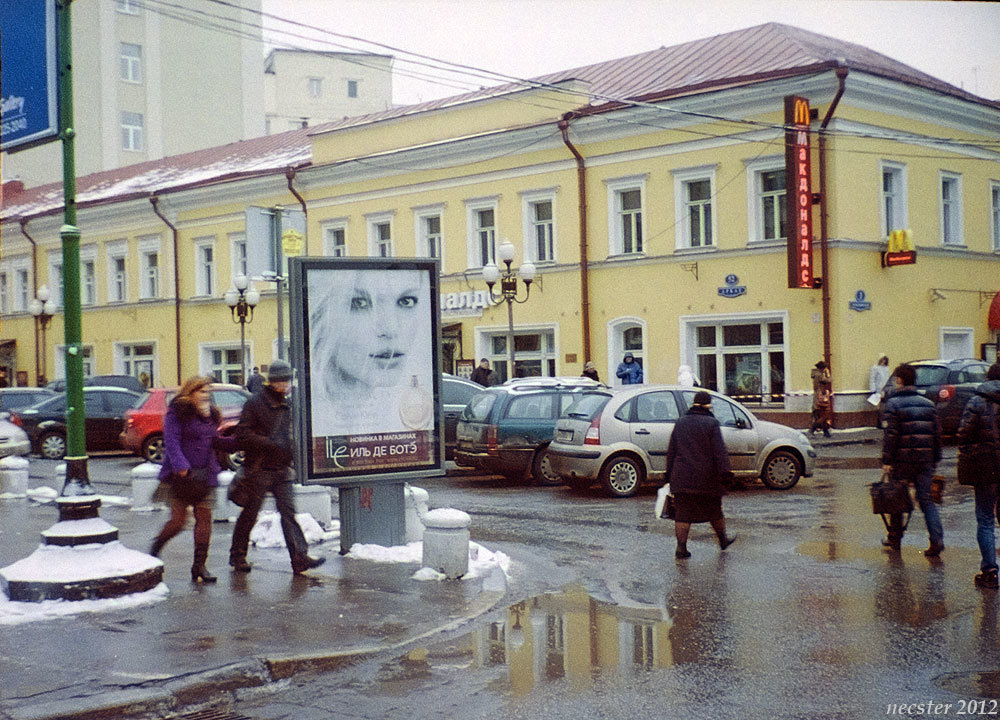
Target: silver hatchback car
x=620, y=437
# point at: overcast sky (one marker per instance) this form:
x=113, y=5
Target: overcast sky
x=958, y=42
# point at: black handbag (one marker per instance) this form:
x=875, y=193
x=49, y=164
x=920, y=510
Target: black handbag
x=890, y=497
x=191, y=488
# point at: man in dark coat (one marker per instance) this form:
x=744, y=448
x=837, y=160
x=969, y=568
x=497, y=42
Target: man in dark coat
x=256, y=381
x=697, y=468
x=911, y=449
x=264, y=432
x=483, y=375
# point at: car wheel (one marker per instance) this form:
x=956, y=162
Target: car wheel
x=152, y=449
x=541, y=469
x=621, y=476
x=781, y=470
x=52, y=446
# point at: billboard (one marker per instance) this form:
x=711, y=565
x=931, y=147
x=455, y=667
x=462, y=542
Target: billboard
x=798, y=184
x=365, y=345
x=29, y=110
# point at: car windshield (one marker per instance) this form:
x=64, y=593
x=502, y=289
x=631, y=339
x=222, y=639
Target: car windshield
x=930, y=375
x=479, y=407
x=586, y=406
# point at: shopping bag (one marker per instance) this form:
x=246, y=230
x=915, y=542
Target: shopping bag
x=664, y=509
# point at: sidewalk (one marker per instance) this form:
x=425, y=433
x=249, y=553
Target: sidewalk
x=204, y=641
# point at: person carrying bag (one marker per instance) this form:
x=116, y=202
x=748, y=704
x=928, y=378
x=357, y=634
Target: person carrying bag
x=978, y=459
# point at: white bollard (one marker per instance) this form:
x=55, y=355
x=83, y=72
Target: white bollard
x=224, y=509
x=14, y=476
x=446, y=541
x=312, y=499
x=145, y=480
x=416, y=507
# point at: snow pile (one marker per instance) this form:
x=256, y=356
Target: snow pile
x=14, y=613
x=72, y=564
x=267, y=532
x=44, y=495
x=481, y=560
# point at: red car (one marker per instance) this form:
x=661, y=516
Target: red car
x=143, y=433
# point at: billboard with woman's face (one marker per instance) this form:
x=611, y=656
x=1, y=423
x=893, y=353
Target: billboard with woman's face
x=365, y=344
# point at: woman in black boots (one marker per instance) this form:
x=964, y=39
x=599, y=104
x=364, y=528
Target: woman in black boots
x=190, y=468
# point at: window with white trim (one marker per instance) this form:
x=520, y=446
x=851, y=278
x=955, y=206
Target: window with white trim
x=335, y=238
x=56, y=277
x=88, y=275
x=766, y=199
x=137, y=360
x=238, y=254
x=149, y=267
x=130, y=62
x=352, y=88
x=694, y=196
x=131, y=125
x=314, y=87
x=626, y=228
x=4, y=292
x=951, y=209
x=224, y=363
x=995, y=215
x=204, y=266
x=481, y=231
x=427, y=222
x=117, y=272
x=539, y=226
x=22, y=287
x=626, y=335
x=380, y=235
x=893, y=208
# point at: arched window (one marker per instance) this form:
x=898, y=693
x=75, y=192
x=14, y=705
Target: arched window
x=626, y=335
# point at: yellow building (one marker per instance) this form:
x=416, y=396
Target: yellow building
x=649, y=192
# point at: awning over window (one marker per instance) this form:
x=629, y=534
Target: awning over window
x=993, y=319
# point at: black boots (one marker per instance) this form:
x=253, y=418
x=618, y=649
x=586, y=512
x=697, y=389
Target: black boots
x=157, y=546
x=199, y=573
x=301, y=563
x=725, y=542
x=239, y=563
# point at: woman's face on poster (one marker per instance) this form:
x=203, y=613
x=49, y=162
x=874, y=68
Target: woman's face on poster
x=379, y=317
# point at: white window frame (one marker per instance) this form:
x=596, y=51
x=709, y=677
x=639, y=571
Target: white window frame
x=5, y=285
x=423, y=237
x=616, y=344
x=967, y=333
x=548, y=352
x=314, y=87
x=950, y=220
x=899, y=198
x=132, y=126
x=88, y=275
x=123, y=359
x=530, y=224
x=21, y=267
x=995, y=215
x=755, y=200
x=616, y=188
x=130, y=65
x=55, y=275
x=682, y=227
x=207, y=365
x=204, y=267
x=86, y=355
x=473, y=246
x=117, y=283
x=150, y=277
x=352, y=89
x=377, y=243
x=331, y=248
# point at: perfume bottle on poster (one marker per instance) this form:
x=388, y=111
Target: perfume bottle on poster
x=415, y=406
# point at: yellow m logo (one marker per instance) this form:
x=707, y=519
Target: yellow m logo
x=801, y=111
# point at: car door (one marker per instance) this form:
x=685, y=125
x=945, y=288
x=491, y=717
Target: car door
x=529, y=421
x=98, y=423
x=116, y=403
x=455, y=395
x=651, y=421
x=738, y=432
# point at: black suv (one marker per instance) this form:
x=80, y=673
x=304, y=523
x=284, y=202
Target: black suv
x=507, y=429
x=949, y=383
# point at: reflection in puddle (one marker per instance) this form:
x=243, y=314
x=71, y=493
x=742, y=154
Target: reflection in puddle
x=568, y=636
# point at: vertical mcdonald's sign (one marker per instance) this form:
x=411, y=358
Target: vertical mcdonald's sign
x=798, y=184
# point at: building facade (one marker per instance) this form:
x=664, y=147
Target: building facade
x=650, y=193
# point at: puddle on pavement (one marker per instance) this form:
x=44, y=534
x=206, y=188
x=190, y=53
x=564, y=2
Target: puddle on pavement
x=973, y=684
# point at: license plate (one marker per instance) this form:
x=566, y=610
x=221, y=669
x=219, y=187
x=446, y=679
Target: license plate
x=564, y=435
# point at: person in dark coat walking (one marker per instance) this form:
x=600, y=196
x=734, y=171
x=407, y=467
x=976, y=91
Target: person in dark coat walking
x=483, y=375
x=590, y=371
x=256, y=381
x=977, y=433
x=697, y=468
x=190, y=441
x=911, y=449
x=264, y=432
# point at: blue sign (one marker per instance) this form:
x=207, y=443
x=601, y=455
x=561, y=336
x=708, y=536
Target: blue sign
x=859, y=303
x=28, y=72
x=732, y=289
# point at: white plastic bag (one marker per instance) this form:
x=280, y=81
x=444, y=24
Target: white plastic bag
x=661, y=501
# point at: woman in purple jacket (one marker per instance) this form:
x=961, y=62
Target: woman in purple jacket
x=191, y=439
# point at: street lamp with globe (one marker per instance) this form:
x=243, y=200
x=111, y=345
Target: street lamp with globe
x=42, y=308
x=508, y=290
x=242, y=298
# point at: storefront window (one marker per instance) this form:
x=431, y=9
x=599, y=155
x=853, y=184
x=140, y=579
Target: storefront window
x=534, y=354
x=745, y=360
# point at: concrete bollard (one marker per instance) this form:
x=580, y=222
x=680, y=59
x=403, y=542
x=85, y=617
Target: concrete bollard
x=312, y=499
x=224, y=509
x=416, y=507
x=145, y=480
x=446, y=541
x=14, y=476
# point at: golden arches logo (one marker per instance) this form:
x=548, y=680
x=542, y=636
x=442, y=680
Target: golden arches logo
x=801, y=115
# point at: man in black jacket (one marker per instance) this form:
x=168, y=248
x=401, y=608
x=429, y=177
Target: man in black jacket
x=264, y=432
x=911, y=448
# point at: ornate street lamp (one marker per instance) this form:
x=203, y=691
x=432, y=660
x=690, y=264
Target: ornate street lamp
x=241, y=302
x=43, y=309
x=508, y=290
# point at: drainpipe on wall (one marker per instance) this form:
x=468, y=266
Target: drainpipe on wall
x=23, y=222
x=177, y=282
x=823, y=216
x=290, y=174
x=581, y=183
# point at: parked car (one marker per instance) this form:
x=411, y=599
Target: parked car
x=619, y=437
x=142, y=432
x=949, y=383
x=124, y=381
x=455, y=395
x=15, y=398
x=506, y=429
x=13, y=440
x=104, y=408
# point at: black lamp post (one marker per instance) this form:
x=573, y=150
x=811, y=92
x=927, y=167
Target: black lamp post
x=241, y=302
x=43, y=309
x=508, y=290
